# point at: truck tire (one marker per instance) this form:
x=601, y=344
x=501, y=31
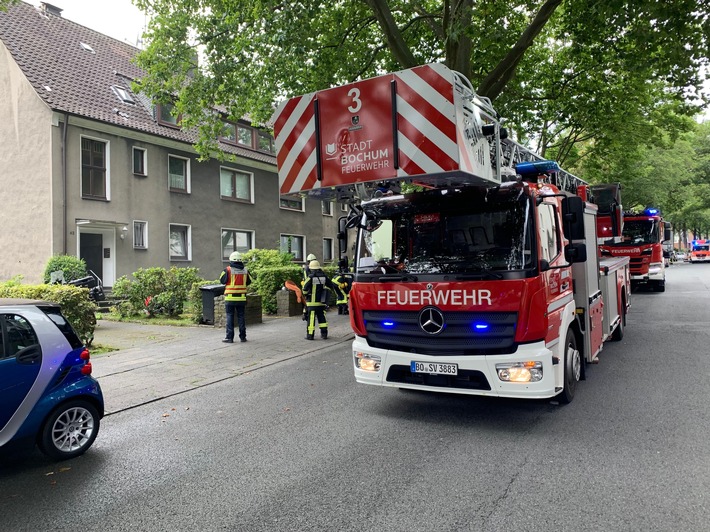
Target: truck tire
x=618, y=333
x=573, y=368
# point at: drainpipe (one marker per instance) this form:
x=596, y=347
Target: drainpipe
x=64, y=184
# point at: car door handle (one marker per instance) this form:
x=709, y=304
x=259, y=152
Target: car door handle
x=29, y=355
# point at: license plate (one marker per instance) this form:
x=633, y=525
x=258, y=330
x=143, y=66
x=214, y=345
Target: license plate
x=434, y=368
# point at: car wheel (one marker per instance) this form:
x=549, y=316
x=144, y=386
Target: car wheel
x=69, y=430
x=573, y=368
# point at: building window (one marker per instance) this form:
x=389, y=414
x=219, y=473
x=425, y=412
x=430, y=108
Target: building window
x=229, y=132
x=326, y=208
x=139, y=161
x=180, y=248
x=123, y=94
x=294, y=204
x=178, y=174
x=93, y=168
x=140, y=234
x=343, y=207
x=245, y=136
x=295, y=245
x=235, y=185
x=327, y=250
x=166, y=115
x=266, y=142
x=236, y=240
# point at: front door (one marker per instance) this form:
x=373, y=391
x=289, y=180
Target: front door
x=91, y=250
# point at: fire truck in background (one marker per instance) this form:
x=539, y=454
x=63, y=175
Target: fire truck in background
x=475, y=263
x=642, y=239
x=699, y=251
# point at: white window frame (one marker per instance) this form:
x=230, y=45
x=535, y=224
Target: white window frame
x=326, y=211
x=245, y=231
x=250, y=175
x=287, y=198
x=188, y=181
x=145, y=161
x=107, y=162
x=328, y=244
x=145, y=234
x=303, y=247
x=188, y=243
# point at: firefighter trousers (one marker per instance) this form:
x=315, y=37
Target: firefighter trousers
x=313, y=313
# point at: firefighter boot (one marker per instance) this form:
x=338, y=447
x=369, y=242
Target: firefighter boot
x=309, y=336
x=324, y=333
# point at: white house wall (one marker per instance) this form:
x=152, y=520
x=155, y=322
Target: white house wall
x=26, y=199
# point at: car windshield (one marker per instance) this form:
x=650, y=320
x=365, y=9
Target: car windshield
x=451, y=231
x=640, y=232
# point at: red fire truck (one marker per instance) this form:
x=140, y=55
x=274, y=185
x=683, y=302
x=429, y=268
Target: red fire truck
x=643, y=236
x=475, y=262
x=699, y=251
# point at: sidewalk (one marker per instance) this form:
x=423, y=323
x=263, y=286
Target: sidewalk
x=157, y=361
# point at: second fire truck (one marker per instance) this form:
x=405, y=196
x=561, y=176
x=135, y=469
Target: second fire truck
x=475, y=264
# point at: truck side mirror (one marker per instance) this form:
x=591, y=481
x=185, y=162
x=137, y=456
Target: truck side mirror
x=576, y=253
x=667, y=231
x=573, y=218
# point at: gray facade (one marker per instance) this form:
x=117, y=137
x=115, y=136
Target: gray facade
x=86, y=173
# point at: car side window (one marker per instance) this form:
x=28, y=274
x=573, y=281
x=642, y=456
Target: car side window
x=17, y=334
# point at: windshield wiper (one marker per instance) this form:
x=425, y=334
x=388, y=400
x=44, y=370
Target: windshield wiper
x=398, y=277
x=482, y=274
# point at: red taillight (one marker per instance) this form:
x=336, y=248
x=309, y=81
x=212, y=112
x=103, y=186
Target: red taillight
x=86, y=370
x=85, y=355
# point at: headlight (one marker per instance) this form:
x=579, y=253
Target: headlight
x=367, y=362
x=528, y=371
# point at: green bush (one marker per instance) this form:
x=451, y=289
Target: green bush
x=73, y=267
x=156, y=291
x=270, y=280
x=77, y=308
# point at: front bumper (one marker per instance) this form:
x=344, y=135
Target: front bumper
x=477, y=374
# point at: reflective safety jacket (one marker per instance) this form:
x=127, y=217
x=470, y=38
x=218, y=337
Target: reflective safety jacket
x=236, y=278
x=315, y=290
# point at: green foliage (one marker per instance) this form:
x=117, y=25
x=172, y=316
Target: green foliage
x=567, y=74
x=73, y=267
x=77, y=308
x=156, y=291
x=271, y=279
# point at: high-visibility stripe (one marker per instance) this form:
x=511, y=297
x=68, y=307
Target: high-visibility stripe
x=440, y=150
x=294, y=127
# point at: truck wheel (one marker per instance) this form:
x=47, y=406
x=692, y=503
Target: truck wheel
x=573, y=368
x=618, y=333
x=69, y=430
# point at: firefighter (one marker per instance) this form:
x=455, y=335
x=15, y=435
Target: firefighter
x=306, y=272
x=344, y=280
x=236, y=278
x=315, y=292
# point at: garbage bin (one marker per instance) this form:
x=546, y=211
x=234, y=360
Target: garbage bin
x=209, y=292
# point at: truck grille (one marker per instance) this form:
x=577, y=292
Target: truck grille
x=466, y=379
x=637, y=266
x=400, y=331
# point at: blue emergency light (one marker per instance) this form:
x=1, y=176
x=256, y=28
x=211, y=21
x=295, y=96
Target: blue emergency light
x=536, y=167
x=481, y=327
x=651, y=211
x=387, y=324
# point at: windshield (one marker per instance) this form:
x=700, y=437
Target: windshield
x=469, y=231
x=640, y=232
x=701, y=247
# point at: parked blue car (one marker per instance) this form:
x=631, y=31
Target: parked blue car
x=47, y=394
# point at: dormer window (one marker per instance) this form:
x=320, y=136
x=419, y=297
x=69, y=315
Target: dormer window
x=87, y=47
x=166, y=116
x=123, y=94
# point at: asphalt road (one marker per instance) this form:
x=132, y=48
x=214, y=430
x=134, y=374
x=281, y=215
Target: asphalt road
x=300, y=446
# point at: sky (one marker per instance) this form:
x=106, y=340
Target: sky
x=119, y=19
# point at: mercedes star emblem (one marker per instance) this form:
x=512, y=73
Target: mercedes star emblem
x=431, y=320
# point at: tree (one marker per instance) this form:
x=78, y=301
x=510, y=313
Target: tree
x=560, y=72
